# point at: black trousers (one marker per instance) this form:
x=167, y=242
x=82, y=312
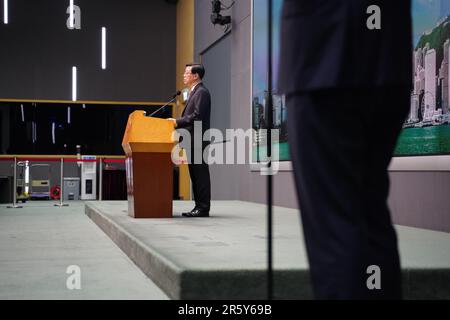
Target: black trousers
x=341, y=143
x=201, y=183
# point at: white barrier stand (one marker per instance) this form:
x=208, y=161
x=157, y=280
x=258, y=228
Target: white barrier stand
x=61, y=202
x=100, y=163
x=14, y=204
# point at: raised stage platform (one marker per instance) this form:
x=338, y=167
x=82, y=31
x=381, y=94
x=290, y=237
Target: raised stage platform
x=225, y=256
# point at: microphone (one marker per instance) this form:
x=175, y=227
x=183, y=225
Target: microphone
x=176, y=94
x=171, y=100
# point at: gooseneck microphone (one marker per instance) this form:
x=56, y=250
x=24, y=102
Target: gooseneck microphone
x=170, y=101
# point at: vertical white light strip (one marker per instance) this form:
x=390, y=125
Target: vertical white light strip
x=103, y=48
x=74, y=83
x=5, y=11
x=68, y=115
x=22, y=112
x=71, y=14
x=53, y=133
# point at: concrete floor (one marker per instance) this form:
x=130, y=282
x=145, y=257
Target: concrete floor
x=39, y=242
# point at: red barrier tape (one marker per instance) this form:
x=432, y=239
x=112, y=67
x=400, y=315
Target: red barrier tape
x=39, y=159
x=114, y=160
x=31, y=159
x=64, y=160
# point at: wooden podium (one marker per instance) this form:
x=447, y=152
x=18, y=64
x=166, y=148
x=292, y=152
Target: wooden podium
x=148, y=144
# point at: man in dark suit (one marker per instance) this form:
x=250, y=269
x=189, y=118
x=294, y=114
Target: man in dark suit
x=197, y=111
x=347, y=85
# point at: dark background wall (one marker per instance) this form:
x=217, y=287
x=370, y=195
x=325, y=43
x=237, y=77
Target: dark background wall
x=38, y=50
x=97, y=128
x=417, y=198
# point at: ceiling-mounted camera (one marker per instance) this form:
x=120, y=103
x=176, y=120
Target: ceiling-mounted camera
x=216, y=17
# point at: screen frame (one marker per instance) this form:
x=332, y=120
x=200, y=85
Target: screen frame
x=399, y=163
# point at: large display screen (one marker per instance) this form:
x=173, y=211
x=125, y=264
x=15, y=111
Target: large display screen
x=426, y=130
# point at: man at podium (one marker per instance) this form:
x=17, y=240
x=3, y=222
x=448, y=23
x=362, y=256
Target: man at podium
x=198, y=109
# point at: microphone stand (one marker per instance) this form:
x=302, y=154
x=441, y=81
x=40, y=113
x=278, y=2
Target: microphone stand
x=171, y=100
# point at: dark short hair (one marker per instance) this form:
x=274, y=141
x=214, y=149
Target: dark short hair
x=197, y=68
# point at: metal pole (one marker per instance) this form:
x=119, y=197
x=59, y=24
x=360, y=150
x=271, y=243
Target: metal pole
x=269, y=154
x=101, y=179
x=61, y=203
x=14, y=204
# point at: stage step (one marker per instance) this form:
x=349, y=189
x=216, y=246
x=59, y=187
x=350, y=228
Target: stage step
x=224, y=256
